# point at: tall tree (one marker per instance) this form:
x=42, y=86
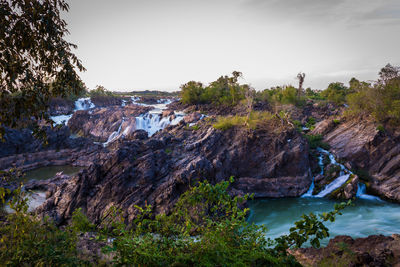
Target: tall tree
x=36, y=62
x=300, y=77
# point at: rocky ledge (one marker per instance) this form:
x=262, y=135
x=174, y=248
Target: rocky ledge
x=371, y=150
x=374, y=250
x=159, y=169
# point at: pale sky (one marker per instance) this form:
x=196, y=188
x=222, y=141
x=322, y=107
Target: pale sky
x=160, y=44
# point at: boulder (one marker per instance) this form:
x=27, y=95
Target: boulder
x=193, y=117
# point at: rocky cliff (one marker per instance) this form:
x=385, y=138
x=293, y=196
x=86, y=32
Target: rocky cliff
x=159, y=169
x=371, y=150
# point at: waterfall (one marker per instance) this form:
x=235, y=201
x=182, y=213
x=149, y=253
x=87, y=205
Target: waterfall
x=152, y=122
x=80, y=104
x=114, y=135
x=338, y=182
x=321, y=165
x=362, y=193
x=83, y=104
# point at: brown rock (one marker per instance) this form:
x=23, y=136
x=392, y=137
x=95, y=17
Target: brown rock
x=193, y=117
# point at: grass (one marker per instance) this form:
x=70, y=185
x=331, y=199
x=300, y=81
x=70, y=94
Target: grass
x=256, y=119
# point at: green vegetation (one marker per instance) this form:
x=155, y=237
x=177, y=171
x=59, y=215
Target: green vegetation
x=281, y=95
x=315, y=141
x=381, y=100
x=256, y=119
x=99, y=91
x=336, y=93
x=36, y=62
x=205, y=228
x=224, y=91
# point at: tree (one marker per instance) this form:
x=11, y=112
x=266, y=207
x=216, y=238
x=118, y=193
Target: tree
x=336, y=93
x=249, y=93
x=388, y=73
x=36, y=62
x=300, y=77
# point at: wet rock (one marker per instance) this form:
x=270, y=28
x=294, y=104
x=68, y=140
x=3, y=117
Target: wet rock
x=99, y=123
x=158, y=170
x=193, y=117
x=371, y=151
x=167, y=113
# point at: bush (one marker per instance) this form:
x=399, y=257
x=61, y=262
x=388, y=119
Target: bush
x=315, y=141
x=282, y=95
x=206, y=227
x=224, y=91
x=27, y=240
x=336, y=93
x=381, y=100
x=255, y=120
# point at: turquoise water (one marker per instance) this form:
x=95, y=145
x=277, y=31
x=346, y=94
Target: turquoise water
x=366, y=217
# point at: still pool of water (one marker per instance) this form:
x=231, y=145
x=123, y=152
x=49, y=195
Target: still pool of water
x=37, y=197
x=366, y=217
x=44, y=173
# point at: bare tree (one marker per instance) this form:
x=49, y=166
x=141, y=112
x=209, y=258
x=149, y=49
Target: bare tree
x=300, y=77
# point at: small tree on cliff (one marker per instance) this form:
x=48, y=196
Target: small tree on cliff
x=36, y=62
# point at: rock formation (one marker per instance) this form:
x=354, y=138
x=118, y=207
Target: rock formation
x=159, y=169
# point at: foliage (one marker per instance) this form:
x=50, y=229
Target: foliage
x=311, y=123
x=336, y=93
x=36, y=61
x=224, y=91
x=100, y=91
x=281, y=95
x=310, y=228
x=27, y=240
x=315, y=141
x=314, y=94
x=254, y=120
x=206, y=227
x=381, y=100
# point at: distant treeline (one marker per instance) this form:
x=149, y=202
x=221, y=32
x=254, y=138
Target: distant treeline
x=150, y=93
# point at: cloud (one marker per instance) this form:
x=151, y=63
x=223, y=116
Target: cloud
x=348, y=12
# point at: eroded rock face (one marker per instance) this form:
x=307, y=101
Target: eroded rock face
x=158, y=170
x=22, y=142
x=374, y=250
x=106, y=101
x=99, y=123
x=61, y=106
x=365, y=148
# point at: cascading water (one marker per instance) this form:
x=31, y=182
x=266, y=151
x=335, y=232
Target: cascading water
x=153, y=121
x=338, y=182
x=115, y=135
x=80, y=104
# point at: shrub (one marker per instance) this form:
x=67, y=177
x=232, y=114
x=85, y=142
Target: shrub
x=224, y=91
x=336, y=93
x=381, y=100
x=255, y=120
x=315, y=141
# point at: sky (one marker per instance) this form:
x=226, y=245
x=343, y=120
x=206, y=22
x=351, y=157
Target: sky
x=130, y=45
